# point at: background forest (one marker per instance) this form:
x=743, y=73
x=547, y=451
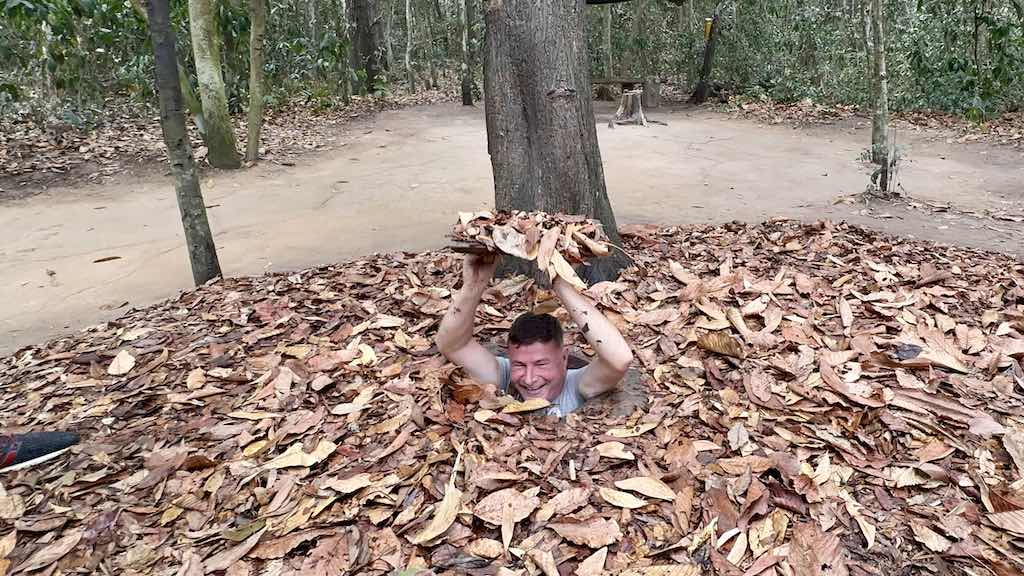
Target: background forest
x=70, y=60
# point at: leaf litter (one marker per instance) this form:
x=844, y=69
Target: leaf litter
x=305, y=423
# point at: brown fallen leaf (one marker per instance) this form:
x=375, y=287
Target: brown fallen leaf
x=484, y=548
x=593, y=565
x=648, y=486
x=1012, y=521
x=673, y=570
x=505, y=508
x=121, y=364
x=721, y=343
x=563, y=503
x=445, y=513
x=295, y=456
x=52, y=552
x=530, y=405
x=931, y=539
x=614, y=450
x=593, y=533
x=621, y=499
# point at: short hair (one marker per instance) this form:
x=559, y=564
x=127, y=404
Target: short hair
x=530, y=328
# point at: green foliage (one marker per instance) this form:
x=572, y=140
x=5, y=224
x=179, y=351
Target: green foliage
x=939, y=55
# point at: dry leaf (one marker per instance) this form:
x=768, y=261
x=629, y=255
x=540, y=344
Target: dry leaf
x=295, y=456
x=444, y=514
x=122, y=364
x=621, y=499
x=671, y=570
x=593, y=533
x=526, y=406
x=1012, y=521
x=348, y=485
x=563, y=503
x=650, y=487
x=593, y=565
x=614, y=450
x=931, y=539
x=52, y=552
x=721, y=343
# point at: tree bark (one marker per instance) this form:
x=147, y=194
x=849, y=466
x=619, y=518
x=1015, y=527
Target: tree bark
x=880, y=121
x=257, y=33
x=195, y=107
x=541, y=133
x=220, y=137
x=607, y=42
x=466, y=13
x=345, y=71
x=368, y=41
x=408, y=46
x=700, y=95
x=202, y=252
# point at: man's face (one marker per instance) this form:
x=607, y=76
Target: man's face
x=538, y=369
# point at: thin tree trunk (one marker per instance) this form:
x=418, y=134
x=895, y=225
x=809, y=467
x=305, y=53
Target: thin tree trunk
x=387, y=35
x=700, y=95
x=466, y=22
x=541, y=134
x=607, y=41
x=257, y=32
x=408, y=46
x=880, y=121
x=195, y=107
x=220, y=137
x=202, y=252
x=345, y=71
x=430, y=56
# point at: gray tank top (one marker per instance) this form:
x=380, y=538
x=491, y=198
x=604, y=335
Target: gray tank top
x=568, y=401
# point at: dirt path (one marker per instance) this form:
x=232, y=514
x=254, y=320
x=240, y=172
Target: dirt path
x=396, y=183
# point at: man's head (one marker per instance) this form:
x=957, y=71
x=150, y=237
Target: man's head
x=537, y=356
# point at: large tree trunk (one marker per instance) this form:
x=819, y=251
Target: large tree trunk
x=408, y=46
x=369, y=38
x=202, y=252
x=541, y=133
x=880, y=121
x=466, y=13
x=220, y=137
x=257, y=32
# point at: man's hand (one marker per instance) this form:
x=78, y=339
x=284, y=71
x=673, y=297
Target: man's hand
x=455, y=335
x=478, y=269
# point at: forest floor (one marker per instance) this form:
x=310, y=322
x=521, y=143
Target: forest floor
x=80, y=253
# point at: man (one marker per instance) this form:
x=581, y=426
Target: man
x=537, y=363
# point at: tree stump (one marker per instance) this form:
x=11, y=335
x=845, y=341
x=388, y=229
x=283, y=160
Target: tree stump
x=631, y=108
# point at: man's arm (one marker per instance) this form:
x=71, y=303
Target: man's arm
x=455, y=336
x=613, y=353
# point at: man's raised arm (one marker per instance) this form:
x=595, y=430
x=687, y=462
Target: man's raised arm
x=455, y=336
x=613, y=353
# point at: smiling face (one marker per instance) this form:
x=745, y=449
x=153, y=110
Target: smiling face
x=538, y=369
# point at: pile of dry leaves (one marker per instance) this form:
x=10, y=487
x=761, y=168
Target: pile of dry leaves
x=554, y=241
x=127, y=137
x=824, y=401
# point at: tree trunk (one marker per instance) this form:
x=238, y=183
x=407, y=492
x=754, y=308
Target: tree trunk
x=202, y=252
x=195, y=107
x=220, y=137
x=389, y=63
x=408, y=46
x=345, y=71
x=880, y=121
x=541, y=133
x=466, y=13
x=431, y=54
x=257, y=32
x=700, y=95
x=607, y=41
x=368, y=41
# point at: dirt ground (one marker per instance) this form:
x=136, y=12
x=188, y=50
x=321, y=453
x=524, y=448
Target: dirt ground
x=73, y=257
